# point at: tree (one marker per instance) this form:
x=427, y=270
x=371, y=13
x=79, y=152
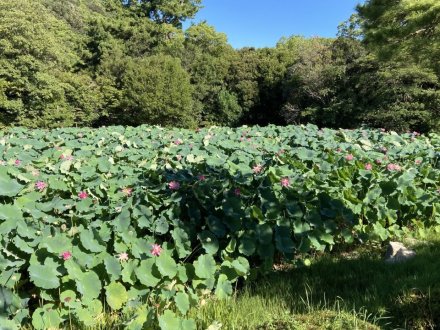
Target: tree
x=405, y=98
x=39, y=83
x=172, y=12
x=207, y=58
x=156, y=90
x=311, y=83
x=403, y=30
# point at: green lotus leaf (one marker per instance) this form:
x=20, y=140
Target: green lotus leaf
x=247, y=246
x=169, y=321
x=122, y=221
x=148, y=273
x=182, y=302
x=45, y=276
x=209, y=242
x=85, y=317
x=56, y=244
x=57, y=183
x=166, y=265
x=23, y=245
x=89, y=285
x=68, y=298
x=327, y=238
x=116, y=295
x=264, y=233
x=46, y=317
x=9, y=187
x=128, y=272
x=113, y=267
x=89, y=315
x=104, y=165
x=182, y=242
x=161, y=225
x=89, y=241
x=205, y=266
x=7, y=324
x=224, y=287
x=10, y=302
x=241, y=266
x=65, y=166
x=10, y=214
x=188, y=324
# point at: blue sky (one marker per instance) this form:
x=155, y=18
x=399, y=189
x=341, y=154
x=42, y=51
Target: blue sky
x=261, y=23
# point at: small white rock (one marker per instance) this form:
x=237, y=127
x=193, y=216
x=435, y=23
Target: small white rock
x=397, y=252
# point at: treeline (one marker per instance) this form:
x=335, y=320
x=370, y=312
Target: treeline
x=129, y=62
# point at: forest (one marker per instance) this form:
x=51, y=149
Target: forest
x=130, y=62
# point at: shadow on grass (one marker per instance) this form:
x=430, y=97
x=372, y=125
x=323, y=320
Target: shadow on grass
x=404, y=295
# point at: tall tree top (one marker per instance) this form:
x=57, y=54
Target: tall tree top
x=165, y=11
x=403, y=28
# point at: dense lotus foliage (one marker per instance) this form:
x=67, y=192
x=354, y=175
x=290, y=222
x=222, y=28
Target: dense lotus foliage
x=148, y=222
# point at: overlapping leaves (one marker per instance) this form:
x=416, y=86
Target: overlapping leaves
x=213, y=201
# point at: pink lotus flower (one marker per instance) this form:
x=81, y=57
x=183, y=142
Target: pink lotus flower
x=83, y=195
x=418, y=161
x=127, y=191
x=393, y=167
x=349, y=157
x=123, y=256
x=379, y=161
x=17, y=162
x=257, y=168
x=62, y=156
x=66, y=255
x=178, y=142
x=285, y=182
x=237, y=192
x=174, y=185
x=156, y=250
x=368, y=167
x=201, y=177
x=40, y=185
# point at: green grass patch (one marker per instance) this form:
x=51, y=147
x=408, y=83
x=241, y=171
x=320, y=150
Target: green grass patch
x=340, y=291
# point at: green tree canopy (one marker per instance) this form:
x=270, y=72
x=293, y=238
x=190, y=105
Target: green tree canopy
x=157, y=90
x=403, y=30
x=40, y=85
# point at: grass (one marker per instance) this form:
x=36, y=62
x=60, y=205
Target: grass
x=340, y=291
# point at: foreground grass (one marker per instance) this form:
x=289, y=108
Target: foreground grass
x=354, y=291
